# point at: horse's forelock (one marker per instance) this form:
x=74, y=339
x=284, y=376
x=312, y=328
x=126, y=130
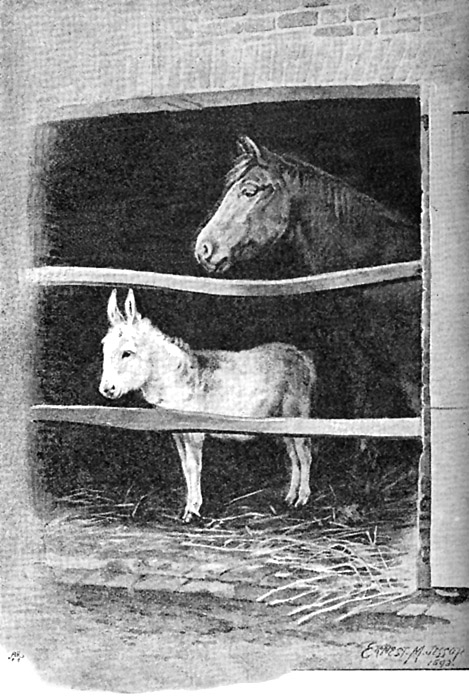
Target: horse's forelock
x=240, y=167
x=277, y=165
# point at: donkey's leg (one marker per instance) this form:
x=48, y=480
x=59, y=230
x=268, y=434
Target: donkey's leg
x=180, y=442
x=193, y=444
x=303, y=450
x=294, y=470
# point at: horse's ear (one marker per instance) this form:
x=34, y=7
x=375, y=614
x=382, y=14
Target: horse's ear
x=113, y=313
x=249, y=148
x=131, y=312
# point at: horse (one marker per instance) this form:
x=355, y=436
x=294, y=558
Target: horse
x=271, y=380
x=269, y=200
x=268, y=197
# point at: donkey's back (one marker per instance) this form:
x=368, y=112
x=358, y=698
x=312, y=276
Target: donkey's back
x=270, y=380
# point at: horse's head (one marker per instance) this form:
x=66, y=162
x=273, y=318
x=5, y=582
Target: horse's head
x=126, y=363
x=252, y=214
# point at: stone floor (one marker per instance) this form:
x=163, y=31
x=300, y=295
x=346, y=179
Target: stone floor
x=134, y=609
x=157, y=560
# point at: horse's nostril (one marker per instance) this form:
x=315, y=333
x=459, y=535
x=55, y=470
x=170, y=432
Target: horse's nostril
x=221, y=264
x=206, y=249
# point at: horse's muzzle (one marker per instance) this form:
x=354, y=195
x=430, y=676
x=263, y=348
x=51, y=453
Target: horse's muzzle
x=217, y=267
x=209, y=257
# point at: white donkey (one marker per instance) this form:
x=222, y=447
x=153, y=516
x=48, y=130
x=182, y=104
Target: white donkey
x=267, y=381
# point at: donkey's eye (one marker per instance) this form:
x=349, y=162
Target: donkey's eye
x=126, y=353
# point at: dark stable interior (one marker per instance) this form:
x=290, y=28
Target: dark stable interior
x=131, y=191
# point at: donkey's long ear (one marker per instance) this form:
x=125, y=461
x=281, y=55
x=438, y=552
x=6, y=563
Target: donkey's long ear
x=247, y=147
x=113, y=313
x=131, y=312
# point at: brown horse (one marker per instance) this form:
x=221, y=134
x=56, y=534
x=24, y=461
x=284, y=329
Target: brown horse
x=269, y=199
x=271, y=380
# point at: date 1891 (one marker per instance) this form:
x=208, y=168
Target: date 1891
x=419, y=656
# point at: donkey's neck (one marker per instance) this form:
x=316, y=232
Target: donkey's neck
x=174, y=371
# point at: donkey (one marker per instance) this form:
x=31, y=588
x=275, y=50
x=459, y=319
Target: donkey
x=272, y=380
x=269, y=199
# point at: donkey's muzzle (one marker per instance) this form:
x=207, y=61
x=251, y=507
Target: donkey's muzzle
x=109, y=391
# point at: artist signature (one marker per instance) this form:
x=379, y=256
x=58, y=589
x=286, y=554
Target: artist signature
x=15, y=656
x=427, y=656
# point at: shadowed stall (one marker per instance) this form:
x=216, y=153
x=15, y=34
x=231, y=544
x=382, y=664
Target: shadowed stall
x=131, y=192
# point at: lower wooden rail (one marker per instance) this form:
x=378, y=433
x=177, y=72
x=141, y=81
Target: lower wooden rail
x=160, y=419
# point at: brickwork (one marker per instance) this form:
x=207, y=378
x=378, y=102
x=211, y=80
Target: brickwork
x=387, y=16
x=212, y=45
x=297, y=19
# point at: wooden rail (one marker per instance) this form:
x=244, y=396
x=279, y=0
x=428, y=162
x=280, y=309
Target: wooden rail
x=93, y=276
x=160, y=419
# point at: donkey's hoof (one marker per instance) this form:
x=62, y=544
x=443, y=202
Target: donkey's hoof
x=301, y=501
x=290, y=499
x=189, y=516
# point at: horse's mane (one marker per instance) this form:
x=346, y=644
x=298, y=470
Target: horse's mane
x=336, y=194
x=345, y=199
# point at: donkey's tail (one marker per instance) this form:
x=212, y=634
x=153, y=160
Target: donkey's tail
x=311, y=365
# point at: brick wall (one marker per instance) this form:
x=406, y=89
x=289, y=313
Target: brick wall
x=89, y=51
x=324, y=17
x=230, y=45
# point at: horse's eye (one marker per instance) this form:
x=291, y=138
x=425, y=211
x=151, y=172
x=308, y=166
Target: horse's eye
x=125, y=354
x=250, y=191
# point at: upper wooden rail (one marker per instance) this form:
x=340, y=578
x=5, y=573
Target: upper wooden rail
x=93, y=276
x=159, y=419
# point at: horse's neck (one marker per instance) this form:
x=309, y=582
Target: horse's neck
x=317, y=238
x=174, y=370
x=334, y=226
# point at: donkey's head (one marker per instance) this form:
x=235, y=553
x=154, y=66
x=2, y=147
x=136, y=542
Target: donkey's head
x=126, y=362
x=252, y=214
